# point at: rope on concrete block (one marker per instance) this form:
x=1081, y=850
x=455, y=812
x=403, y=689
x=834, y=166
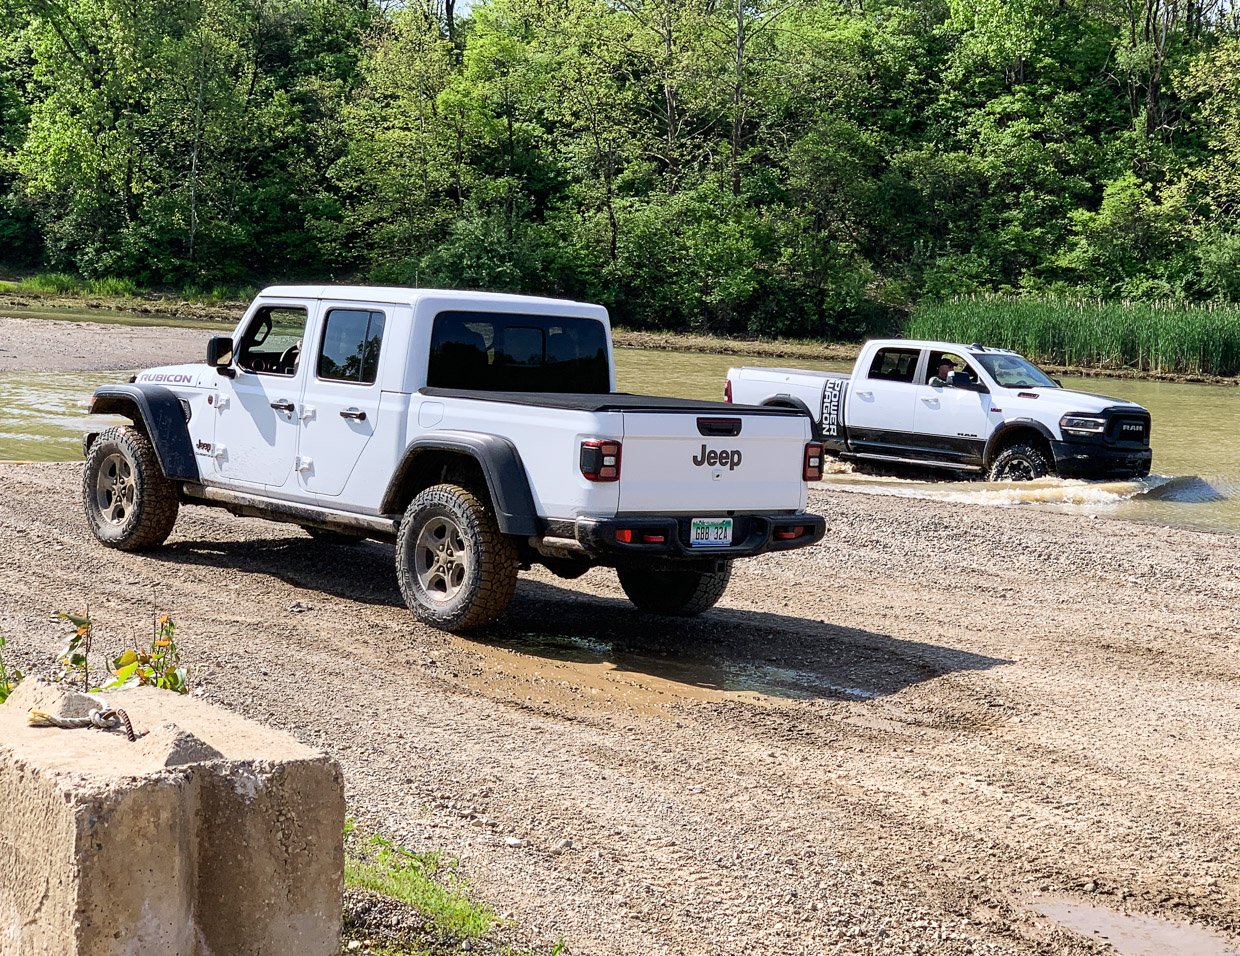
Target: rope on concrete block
x=110, y=719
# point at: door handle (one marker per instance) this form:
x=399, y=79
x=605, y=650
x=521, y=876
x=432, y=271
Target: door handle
x=865, y=394
x=283, y=406
x=932, y=402
x=355, y=414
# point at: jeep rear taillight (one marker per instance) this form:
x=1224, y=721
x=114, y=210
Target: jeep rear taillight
x=812, y=470
x=600, y=460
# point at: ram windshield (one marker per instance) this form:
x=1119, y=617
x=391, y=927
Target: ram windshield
x=1012, y=371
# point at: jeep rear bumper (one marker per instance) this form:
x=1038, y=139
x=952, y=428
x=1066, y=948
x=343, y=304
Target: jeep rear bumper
x=1091, y=460
x=667, y=537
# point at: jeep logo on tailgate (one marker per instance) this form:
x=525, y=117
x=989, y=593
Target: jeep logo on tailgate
x=723, y=457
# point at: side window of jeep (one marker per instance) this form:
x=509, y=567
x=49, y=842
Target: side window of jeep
x=271, y=343
x=351, y=342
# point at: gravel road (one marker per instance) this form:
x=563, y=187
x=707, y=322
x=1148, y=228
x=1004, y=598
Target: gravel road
x=895, y=742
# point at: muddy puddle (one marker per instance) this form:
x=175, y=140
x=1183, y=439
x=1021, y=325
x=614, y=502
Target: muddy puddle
x=561, y=666
x=1134, y=934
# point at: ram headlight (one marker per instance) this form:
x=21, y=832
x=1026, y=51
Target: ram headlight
x=1082, y=425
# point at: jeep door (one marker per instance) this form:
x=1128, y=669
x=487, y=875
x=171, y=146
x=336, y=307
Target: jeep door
x=257, y=408
x=342, y=395
x=881, y=403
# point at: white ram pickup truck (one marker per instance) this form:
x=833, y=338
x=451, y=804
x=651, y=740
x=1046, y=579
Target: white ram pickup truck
x=959, y=407
x=481, y=433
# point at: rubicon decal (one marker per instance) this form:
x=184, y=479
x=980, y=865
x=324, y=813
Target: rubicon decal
x=723, y=457
x=172, y=378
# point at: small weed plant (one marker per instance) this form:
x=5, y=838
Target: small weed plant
x=424, y=881
x=74, y=655
x=9, y=677
x=158, y=665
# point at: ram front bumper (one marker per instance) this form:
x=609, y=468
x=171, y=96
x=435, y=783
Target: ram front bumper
x=668, y=537
x=1093, y=460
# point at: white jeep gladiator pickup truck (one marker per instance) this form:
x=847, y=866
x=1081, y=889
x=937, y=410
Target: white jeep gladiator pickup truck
x=479, y=432
x=960, y=407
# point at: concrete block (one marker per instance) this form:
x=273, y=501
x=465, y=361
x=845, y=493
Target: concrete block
x=209, y=836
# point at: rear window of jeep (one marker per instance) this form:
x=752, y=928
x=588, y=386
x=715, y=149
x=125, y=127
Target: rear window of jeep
x=504, y=352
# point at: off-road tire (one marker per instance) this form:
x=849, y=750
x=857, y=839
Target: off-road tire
x=129, y=503
x=488, y=578
x=674, y=592
x=1020, y=462
x=326, y=536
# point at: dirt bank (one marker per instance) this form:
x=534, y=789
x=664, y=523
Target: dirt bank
x=890, y=743
x=47, y=345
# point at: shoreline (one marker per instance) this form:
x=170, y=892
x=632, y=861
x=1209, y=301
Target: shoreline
x=157, y=312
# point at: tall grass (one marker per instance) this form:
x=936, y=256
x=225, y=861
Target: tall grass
x=1147, y=336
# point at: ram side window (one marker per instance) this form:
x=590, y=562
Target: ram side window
x=271, y=343
x=895, y=365
x=504, y=352
x=960, y=362
x=351, y=342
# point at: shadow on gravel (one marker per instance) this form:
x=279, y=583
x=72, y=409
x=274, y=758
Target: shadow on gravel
x=361, y=572
x=725, y=649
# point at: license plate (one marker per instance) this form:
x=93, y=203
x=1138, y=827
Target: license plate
x=710, y=532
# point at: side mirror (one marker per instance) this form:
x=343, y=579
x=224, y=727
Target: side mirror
x=1058, y=384
x=962, y=380
x=220, y=355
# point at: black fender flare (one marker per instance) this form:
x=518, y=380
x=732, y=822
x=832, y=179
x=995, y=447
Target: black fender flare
x=784, y=400
x=501, y=467
x=998, y=438
x=159, y=413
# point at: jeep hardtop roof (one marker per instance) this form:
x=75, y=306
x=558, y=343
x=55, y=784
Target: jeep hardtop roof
x=406, y=295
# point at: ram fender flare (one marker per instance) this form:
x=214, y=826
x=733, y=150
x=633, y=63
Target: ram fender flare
x=784, y=400
x=501, y=467
x=996, y=440
x=160, y=413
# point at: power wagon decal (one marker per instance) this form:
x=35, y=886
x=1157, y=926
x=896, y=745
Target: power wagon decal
x=833, y=407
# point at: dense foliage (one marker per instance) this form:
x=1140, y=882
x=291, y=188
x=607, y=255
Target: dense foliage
x=773, y=166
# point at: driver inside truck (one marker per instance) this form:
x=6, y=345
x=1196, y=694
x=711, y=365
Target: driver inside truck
x=944, y=375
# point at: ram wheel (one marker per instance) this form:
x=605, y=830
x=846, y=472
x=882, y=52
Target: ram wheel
x=1020, y=462
x=129, y=503
x=670, y=591
x=455, y=569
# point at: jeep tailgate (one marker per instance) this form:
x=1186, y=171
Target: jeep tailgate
x=709, y=463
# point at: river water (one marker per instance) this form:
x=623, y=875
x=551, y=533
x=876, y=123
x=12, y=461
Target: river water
x=1196, y=439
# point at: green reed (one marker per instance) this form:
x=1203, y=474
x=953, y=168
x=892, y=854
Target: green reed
x=1146, y=336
